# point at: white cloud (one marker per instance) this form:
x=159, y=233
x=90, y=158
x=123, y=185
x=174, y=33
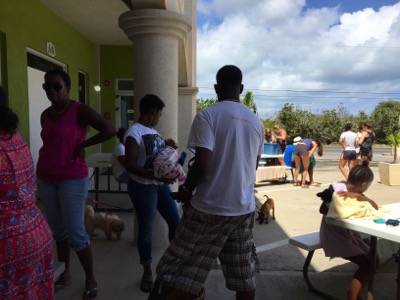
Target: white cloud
x=280, y=45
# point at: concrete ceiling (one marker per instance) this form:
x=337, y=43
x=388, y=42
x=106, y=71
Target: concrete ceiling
x=95, y=19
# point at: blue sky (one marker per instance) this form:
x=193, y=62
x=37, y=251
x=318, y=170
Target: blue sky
x=314, y=54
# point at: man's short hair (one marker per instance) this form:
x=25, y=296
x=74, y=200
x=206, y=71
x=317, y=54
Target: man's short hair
x=229, y=75
x=348, y=126
x=149, y=103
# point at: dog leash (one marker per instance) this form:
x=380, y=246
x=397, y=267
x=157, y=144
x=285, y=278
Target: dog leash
x=105, y=211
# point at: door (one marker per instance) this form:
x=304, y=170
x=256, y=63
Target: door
x=38, y=64
x=126, y=111
x=38, y=102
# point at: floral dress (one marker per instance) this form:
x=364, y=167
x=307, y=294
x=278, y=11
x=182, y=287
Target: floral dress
x=26, y=264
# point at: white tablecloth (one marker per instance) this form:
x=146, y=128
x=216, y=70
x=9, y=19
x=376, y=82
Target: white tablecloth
x=270, y=173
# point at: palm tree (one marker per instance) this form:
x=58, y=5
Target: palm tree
x=248, y=100
x=394, y=141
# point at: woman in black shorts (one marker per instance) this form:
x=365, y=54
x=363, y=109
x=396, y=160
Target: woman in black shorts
x=302, y=153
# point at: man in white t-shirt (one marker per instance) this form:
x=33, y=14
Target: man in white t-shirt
x=349, y=141
x=218, y=218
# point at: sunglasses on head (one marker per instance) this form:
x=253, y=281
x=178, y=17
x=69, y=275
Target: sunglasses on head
x=57, y=87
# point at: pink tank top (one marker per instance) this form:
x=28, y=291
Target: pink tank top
x=60, y=139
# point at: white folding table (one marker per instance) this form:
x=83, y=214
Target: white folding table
x=103, y=160
x=375, y=230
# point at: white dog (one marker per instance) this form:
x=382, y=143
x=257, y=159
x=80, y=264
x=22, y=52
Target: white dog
x=98, y=220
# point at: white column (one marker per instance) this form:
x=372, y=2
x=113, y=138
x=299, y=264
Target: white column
x=156, y=35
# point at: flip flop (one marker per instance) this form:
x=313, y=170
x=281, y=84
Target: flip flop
x=304, y=186
x=296, y=184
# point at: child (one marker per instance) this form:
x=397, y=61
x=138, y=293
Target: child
x=168, y=162
x=342, y=242
x=118, y=159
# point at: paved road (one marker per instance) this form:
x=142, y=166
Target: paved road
x=333, y=154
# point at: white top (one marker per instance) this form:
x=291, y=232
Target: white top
x=358, y=138
x=150, y=145
x=235, y=136
x=118, y=168
x=349, y=140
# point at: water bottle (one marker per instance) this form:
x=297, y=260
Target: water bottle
x=182, y=158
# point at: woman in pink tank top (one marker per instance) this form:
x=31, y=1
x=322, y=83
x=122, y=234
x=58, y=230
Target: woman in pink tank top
x=62, y=174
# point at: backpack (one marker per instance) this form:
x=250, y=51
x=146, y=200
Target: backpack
x=368, y=141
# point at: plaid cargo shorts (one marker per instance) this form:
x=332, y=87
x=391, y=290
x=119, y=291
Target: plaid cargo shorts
x=199, y=240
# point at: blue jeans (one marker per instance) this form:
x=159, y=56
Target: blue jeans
x=64, y=204
x=147, y=199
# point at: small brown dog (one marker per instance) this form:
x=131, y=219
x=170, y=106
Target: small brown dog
x=263, y=213
x=97, y=220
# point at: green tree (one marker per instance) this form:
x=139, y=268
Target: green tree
x=385, y=119
x=394, y=141
x=297, y=122
x=248, y=100
x=204, y=103
x=330, y=125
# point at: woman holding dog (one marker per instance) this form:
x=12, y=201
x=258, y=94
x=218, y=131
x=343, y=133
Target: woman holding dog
x=26, y=259
x=62, y=174
x=148, y=194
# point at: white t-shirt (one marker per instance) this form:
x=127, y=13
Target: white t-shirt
x=349, y=139
x=150, y=145
x=235, y=135
x=118, y=168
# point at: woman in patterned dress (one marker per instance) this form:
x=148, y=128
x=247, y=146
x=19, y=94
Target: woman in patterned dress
x=26, y=261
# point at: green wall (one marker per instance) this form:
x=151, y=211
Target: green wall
x=30, y=24
x=116, y=62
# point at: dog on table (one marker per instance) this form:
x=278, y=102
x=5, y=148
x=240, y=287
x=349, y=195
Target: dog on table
x=97, y=220
x=266, y=208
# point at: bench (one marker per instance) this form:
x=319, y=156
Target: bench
x=309, y=242
x=59, y=268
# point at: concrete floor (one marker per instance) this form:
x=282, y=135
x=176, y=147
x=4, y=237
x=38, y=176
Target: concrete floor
x=118, y=270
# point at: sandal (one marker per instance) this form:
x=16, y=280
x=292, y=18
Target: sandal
x=296, y=184
x=315, y=184
x=304, y=186
x=90, y=293
x=146, y=285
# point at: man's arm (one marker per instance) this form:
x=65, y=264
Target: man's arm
x=195, y=174
x=257, y=161
x=199, y=168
